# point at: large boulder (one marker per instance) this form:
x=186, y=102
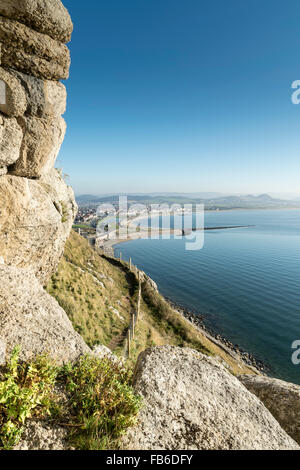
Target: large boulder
x=192, y=402
x=46, y=16
x=32, y=319
x=31, y=52
x=281, y=398
x=35, y=220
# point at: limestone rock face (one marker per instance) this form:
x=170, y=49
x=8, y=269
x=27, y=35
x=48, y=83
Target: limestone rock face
x=43, y=436
x=35, y=219
x=11, y=137
x=32, y=319
x=36, y=207
x=192, y=402
x=100, y=351
x=46, y=16
x=15, y=99
x=281, y=398
x=43, y=97
x=42, y=139
x=31, y=52
x=34, y=139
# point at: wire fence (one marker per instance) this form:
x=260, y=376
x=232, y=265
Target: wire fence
x=135, y=315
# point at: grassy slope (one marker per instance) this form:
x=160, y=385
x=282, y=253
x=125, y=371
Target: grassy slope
x=89, y=286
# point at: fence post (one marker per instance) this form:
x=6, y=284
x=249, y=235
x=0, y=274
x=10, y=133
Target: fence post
x=133, y=325
x=130, y=264
x=120, y=256
x=128, y=343
x=139, y=298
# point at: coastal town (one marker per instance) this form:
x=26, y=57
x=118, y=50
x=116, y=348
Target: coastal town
x=110, y=221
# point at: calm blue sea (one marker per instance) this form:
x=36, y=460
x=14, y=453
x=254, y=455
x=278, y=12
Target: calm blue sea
x=246, y=282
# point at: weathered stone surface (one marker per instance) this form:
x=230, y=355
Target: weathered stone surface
x=42, y=139
x=11, y=137
x=281, y=398
x=32, y=319
x=35, y=220
x=43, y=436
x=15, y=99
x=46, y=16
x=31, y=52
x=44, y=97
x=3, y=171
x=61, y=194
x=192, y=402
x=101, y=351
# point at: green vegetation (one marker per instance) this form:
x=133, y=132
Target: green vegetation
x=102, y=402
x=91, y=290
x=87, y=228
x=65, y=214
x=25, y=392
x=99, y=404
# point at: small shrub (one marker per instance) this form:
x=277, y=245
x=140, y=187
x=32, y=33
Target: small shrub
x=102, y=402
x=25, y=391
x=100, y=405
x=65, y=214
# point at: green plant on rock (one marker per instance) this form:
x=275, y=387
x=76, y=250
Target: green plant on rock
x=64, y=209
x=102, y=402
x=25, y=392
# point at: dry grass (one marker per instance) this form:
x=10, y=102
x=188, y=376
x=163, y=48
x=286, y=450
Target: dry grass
x=90, y=290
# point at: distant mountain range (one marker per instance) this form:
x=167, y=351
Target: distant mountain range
x=211, y=200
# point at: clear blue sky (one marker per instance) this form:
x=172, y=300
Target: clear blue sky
x=183, y=95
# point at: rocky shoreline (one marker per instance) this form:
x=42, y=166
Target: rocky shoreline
x=198, y=320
